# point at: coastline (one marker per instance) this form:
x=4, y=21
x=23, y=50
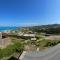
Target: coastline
x=2, y=29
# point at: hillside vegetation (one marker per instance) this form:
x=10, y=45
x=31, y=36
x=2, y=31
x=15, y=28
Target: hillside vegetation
x=20, y=44
x=49, y=29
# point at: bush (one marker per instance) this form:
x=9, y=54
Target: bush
x=47, y=43
x=51, y=43
x=9, y=50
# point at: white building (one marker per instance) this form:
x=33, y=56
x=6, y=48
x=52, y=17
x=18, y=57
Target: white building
x=33, y=39
x=20, y=34
x=29, y=35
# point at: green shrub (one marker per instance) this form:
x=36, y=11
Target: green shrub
x=47, y=43
x=9, y=50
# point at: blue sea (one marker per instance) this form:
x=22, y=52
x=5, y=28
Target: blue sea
x=7, y=28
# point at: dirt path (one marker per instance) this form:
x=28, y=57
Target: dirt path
x=53, y=37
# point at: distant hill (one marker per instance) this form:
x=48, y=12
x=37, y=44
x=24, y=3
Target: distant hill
x=50, y=29
x=46, y=26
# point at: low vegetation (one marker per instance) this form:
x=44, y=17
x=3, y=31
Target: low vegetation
x=47, y=43
x=9, y=50
x=19, y=44
x=41, y=42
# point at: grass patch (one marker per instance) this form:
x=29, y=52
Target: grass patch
x=9, y=50
x=47, y=43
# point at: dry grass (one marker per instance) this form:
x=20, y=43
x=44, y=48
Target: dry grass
x=53, y=37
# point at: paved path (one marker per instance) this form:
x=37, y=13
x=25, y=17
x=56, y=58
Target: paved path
x=49, y=54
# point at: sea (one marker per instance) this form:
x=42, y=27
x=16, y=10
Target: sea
x=7, y=28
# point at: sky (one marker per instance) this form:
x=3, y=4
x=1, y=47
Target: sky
x=29, y=12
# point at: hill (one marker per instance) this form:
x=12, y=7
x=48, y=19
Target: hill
x=49, y=29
